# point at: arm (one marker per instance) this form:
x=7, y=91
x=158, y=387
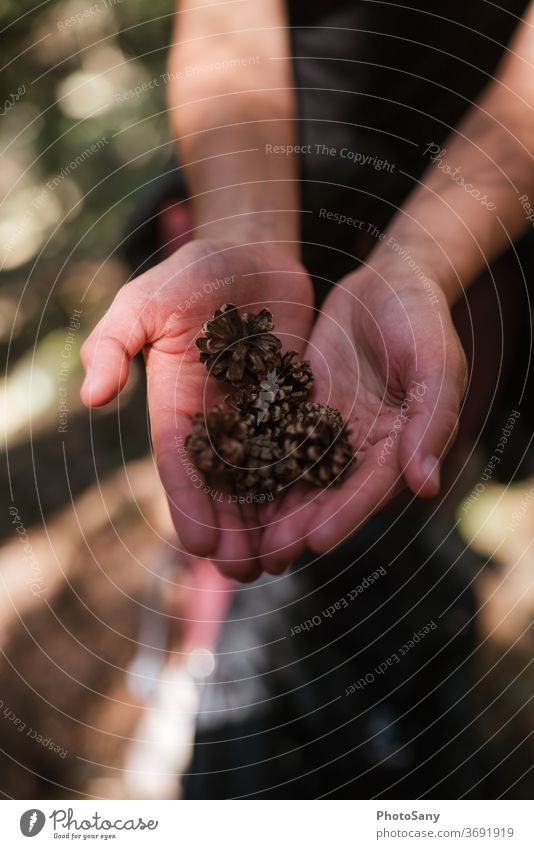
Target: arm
x=468, y=208
x=230, y=98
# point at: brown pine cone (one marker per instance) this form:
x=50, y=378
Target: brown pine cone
x=265, y=470
x=238, y=347
x=314, y=410
x=316, y=445
x=217, y=441
x=264, y=402
x=295, y=378
x=272, y=401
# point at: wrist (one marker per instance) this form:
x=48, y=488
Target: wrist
x=392, y=273
x=272, y=228
x=244, y=195
x=246, y=257
x=401, y=262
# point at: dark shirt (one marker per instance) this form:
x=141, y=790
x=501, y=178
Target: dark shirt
x=382, y=80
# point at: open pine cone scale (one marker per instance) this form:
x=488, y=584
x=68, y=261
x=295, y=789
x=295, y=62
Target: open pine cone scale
x=239, y=347
x=268, y=435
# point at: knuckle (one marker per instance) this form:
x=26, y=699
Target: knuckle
x=86, y=350
x=132, y=297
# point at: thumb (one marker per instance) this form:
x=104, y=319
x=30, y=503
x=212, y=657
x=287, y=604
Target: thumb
x=434, y=408
x=107, y=352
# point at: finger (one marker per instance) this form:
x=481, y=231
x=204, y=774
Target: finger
x=434, y=409
x=251, y=518
x=284, y=538
x=339, y=511
x=234, y=556
x=190, y=506
x=107, y=351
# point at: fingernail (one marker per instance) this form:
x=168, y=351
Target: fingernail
x=431, y=470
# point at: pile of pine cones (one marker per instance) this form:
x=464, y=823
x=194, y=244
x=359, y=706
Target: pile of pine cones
x=269, y=435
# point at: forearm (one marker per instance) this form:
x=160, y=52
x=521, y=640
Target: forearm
x=471, y=203
x=229, y=101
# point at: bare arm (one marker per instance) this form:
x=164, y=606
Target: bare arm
x=471, y=202
x=230, y=97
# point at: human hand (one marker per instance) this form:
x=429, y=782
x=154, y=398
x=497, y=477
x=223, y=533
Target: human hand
x=161, y=312
x=386, y=354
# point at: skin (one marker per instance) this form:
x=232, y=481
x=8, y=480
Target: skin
x=378, y=331
x=373, y=348
x=161, y=313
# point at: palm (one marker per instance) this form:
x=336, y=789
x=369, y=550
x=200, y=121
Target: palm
x=162, y=312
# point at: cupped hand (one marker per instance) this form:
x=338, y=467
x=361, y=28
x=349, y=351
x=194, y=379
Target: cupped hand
x=161, y=312
x=385, y=353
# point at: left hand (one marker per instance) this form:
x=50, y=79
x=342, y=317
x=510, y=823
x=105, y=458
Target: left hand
x=386, y=354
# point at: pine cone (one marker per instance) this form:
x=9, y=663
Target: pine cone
x=238, y=347
x=264, y=404
x=265, y=469
x=311, y=411
x=317, y=446
x=217, y=441
x=273, y=400
x=295, y=378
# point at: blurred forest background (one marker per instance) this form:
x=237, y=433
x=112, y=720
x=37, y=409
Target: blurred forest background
x=92, y=597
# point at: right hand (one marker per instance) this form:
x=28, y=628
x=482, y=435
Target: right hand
x=161, y=312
